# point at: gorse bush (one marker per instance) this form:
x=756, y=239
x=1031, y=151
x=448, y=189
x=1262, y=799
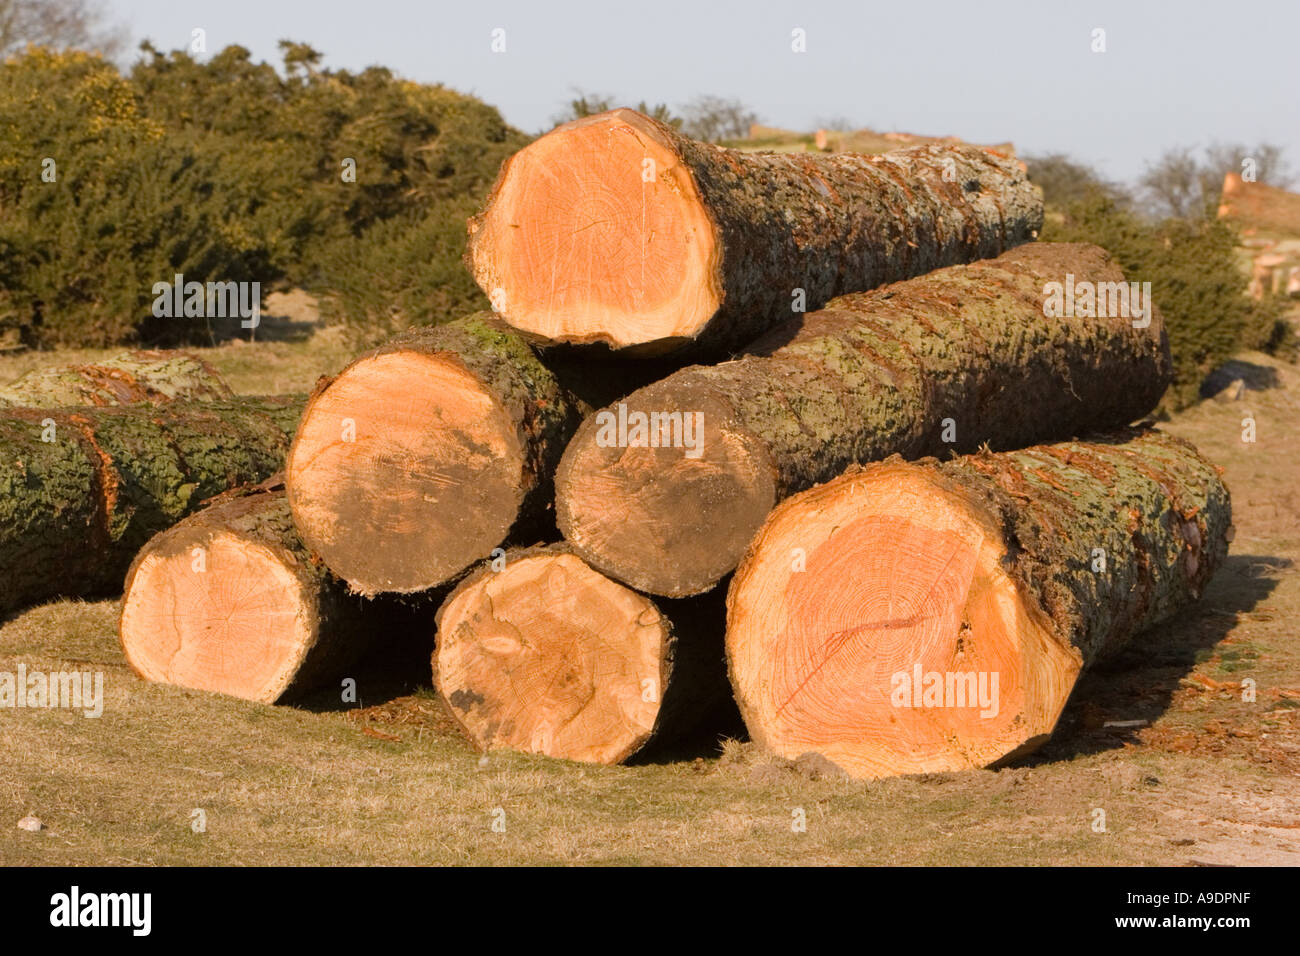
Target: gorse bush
x=1196, y=283
x=229, y=170
x=403, y=271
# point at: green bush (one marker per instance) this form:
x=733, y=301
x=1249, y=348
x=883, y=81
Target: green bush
x=227, y=170
x=1195, y=282
x=403, y=271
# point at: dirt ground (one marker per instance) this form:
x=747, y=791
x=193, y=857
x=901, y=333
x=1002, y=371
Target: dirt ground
x=1196, y=775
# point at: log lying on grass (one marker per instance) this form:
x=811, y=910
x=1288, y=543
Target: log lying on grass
x=425, y=454
x=909, y=618
x=230, y=601
x=81, y=490
x=546, y=655
x=615, y=228
x=131, y=378
x=947, y=361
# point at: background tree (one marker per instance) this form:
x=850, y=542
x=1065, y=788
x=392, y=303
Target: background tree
x=1269, y=159
x=1195, y=279
x=1186, y=185
x=229, y=170
x=715, y=118
x=1179, y=185
x=589, y=104
x=59, y=25
x=837, y=124
x=1064, y=180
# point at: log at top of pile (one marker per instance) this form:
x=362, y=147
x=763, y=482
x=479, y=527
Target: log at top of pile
x=664, y=489
x=617, y=229
x=923, y=617
x=131, y=378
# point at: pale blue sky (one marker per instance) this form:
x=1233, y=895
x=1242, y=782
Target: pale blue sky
x=1173, y=73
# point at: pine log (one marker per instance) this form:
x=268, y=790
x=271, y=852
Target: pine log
x=230, y=601
x=615, y=228
x=425, y=454
x=131, y=378
x=82, y=490
x=539, y=653
x=945, y=362
x=923, y=617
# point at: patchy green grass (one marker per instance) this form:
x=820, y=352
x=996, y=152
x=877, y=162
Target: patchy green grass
x=1211, y=778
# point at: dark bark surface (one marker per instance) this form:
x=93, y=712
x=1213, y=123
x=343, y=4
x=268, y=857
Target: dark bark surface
x=938, y=364
x=77, y=506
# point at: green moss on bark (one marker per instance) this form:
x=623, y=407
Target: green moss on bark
x=82, y=490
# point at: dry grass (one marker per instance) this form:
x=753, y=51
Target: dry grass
x=1211, y=779
x=290, y=353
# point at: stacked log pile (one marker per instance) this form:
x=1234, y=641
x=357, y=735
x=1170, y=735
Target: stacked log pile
x=926, y=483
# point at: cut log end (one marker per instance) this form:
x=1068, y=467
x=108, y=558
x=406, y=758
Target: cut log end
x=873, y=621
x=218, y=612
x=664, y=491
x=548, y=656
x=405, y=471
x=596, y=233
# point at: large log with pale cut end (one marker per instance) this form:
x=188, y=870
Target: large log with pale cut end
x=131, y=378
x=81, y=490
x=424, y=455
x=538, y=652
x=617, y=229
x=910, y=618
x=664, y=490
x=230, y=601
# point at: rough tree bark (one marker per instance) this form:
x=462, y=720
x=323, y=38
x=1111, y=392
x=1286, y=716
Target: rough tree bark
x=131, y=378
x=537, y=652
x=230, y=601
x=81, y=490
x=944, y=362
x=918, y=617
x=617, y=229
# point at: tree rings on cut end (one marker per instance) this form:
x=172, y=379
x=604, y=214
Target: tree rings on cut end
x=596, y=233
x=873, y=621
x=670, y=507
x=215, y=611
x=549, y=656
x=405, y=470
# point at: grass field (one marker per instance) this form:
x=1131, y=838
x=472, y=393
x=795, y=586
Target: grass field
x=1209, y=779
